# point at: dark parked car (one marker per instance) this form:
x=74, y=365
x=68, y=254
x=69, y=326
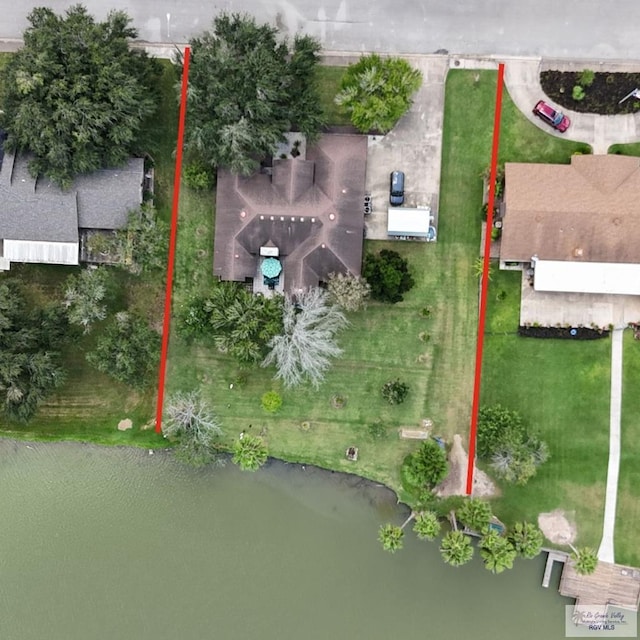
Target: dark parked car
x=556, y=119
x=396, y=188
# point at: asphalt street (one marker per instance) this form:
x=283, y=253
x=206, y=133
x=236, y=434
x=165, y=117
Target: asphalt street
x=594, y=29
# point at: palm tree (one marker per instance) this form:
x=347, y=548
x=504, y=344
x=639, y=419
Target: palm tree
x=391, y=537
x=585, y=560
x=497, y=552
x=427, y=525
x=475, y=513
x=249, y=452
x=456, y=548
x=526, y=539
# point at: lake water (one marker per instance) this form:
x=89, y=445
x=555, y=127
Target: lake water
x=113, y=543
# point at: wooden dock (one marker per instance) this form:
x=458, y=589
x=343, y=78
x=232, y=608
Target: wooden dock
x=552, y=556
x=609, y=584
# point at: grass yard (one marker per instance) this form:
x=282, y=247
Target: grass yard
x=328, y=79
x=628, y=506
x=561, y=388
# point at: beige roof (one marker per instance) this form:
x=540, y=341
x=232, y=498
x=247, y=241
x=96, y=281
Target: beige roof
x=587, y=211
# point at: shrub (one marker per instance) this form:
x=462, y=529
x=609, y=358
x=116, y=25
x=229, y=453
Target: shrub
x=198, y=176
x=578, y=93
x=586, y=78
x=348, y=291
x=388, y=275
x=377, y=431
x=395, y=391
x=426, y=467
x=495, y=233
x=271, y=401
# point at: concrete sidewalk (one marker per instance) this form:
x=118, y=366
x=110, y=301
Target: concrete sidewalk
x=522, y=80
x=606, y=550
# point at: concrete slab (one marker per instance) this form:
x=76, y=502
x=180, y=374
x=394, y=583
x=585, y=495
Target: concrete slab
x=413, y=146
x=576, y=309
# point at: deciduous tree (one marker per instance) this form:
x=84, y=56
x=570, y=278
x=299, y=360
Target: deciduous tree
x=128, y=350
x=387, y=272
x=246, y=89
x=75, y=95
x=192, y=423
x=304, y=349
x=425, y=467
x=84, y=297
x=348, y=291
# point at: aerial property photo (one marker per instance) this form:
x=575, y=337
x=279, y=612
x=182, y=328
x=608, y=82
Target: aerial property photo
x=297, y=303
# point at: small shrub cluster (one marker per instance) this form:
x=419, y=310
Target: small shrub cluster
x=395, y=391
x=198, y=176
x=271, y=401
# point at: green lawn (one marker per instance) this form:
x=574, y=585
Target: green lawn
x=561, y=388
x=328, y=79
x=628, y=506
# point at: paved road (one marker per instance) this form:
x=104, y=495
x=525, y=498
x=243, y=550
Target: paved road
x=558, y=28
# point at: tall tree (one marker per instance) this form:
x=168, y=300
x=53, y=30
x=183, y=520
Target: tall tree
x=456, y=548
x=75, y=95
x=84, y=297
x=128, y=350
x=585, y=560
x=308, y=339
x=497, y=552
x=246, y=89
x=387, y=272
x=526, y=539
x=376, y=92
x=427, y=525
x=30, y=343
x=475, y=514
x=191, y=422
x=390, y=536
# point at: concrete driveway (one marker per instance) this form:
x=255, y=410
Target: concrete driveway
x=522, y=80
x=413, y=146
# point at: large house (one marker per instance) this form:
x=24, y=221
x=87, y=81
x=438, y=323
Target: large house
x=40, y=223
x=575, y=227
x=290, y=225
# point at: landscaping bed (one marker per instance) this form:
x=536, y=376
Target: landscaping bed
x=567, y=333
x=597, y=92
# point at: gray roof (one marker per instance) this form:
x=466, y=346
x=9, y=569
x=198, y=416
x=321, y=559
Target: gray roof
x=311, y=209
x=39, y=210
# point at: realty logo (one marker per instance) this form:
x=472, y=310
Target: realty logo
x=593, y=621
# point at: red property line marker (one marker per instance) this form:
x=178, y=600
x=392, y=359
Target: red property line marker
x=172, y=241
x=484, y=282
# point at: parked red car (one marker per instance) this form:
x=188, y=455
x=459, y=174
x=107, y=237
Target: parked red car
x=556, y=119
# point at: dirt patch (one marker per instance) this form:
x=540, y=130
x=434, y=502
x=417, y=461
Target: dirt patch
x=455, y=484
x=125, y=425
x=558, y=527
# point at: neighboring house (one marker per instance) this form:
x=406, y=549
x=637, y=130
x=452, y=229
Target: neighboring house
x=289, y=226
x=574, y=228
x=40, y=223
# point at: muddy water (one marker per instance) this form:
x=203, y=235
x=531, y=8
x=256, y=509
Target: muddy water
x=108, y=543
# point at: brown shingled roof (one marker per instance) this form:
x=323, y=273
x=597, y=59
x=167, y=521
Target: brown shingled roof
x=587, y=211
x=311, y=209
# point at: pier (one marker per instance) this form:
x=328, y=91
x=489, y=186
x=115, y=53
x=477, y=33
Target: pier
x=552, y=556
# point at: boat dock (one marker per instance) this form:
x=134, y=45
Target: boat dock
x=552, y=556
x=609, y=584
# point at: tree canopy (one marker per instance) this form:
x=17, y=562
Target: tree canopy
x=246, y=89
x=75, y=95
x=30, y=339
x=387, y=272
x=425, y=467
x=376, y=92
